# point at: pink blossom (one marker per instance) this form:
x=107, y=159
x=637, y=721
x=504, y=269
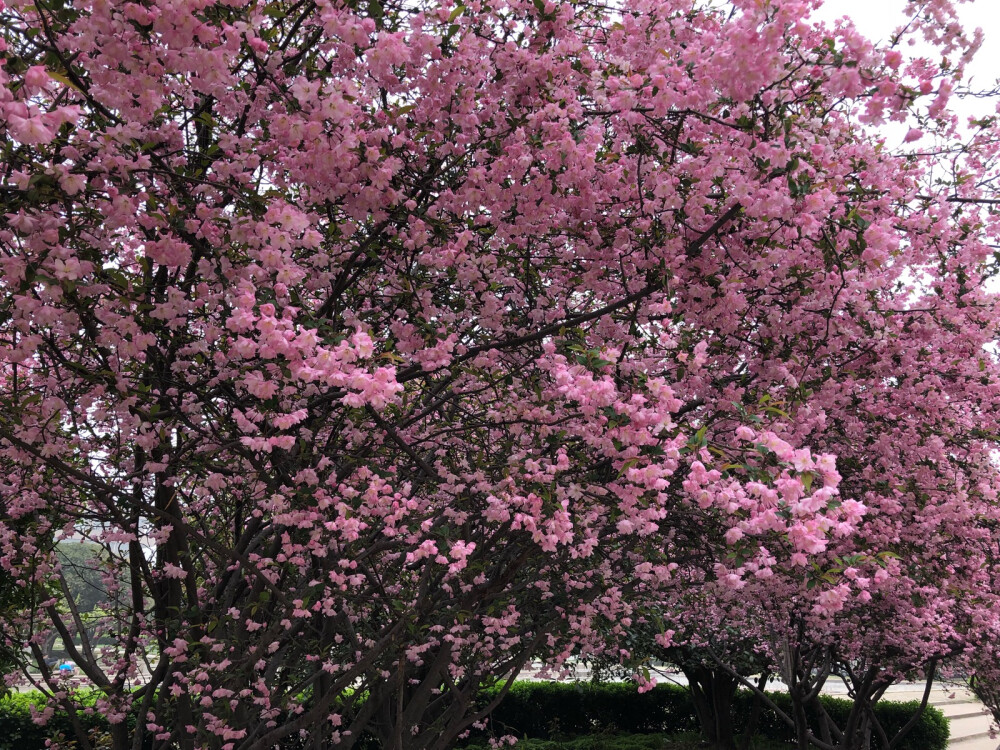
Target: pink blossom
x=369, y=341
x=30, y=131
x=36, y=77
x=173, y=571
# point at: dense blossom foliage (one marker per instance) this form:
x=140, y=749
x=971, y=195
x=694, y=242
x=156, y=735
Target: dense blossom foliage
x=385, y=347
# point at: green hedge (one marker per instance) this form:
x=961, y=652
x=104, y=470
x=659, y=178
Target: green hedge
x=686, y=741
x=560, y=711
x=551, y=711
x=554, y=710
x=19, y=732
x=929, y=733
x=599, y=742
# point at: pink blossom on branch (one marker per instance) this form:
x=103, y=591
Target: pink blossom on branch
x=385, y=349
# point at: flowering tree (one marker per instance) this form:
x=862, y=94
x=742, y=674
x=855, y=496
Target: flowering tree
x=898, y=382
x=385, y=346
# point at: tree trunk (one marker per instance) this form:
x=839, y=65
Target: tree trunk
x=801, y=723
x=120, y=739
x=750, y=730
x=857, y=735
x=712, y=692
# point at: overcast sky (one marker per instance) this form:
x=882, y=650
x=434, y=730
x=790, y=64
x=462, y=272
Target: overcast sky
x=878, y=18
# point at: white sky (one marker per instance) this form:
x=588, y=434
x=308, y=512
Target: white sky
x=878, y=18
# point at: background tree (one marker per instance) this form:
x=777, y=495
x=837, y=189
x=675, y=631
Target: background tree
x=81, y=564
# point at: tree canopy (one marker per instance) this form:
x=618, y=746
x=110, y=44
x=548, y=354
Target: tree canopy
x=386, y=346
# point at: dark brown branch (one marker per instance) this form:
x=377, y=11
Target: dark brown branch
x=575, y=320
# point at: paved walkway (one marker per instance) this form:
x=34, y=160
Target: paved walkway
x=968, y=719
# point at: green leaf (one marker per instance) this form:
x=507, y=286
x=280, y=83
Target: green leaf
x=628, y=465
x=699, y=436
x=275, y=11
x=62, y=78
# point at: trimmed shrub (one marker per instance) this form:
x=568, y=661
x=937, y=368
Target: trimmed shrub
x=554, y=711
x=19, y=732
x=687, y=741
x=929, y=733
x=599, y=742
x=579, y=716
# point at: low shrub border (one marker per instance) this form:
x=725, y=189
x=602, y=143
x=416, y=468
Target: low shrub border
x=558, y=711
x=931, y=732
x=686, y=741
x=600, y=742
x=18, y=731
x=552, y=710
